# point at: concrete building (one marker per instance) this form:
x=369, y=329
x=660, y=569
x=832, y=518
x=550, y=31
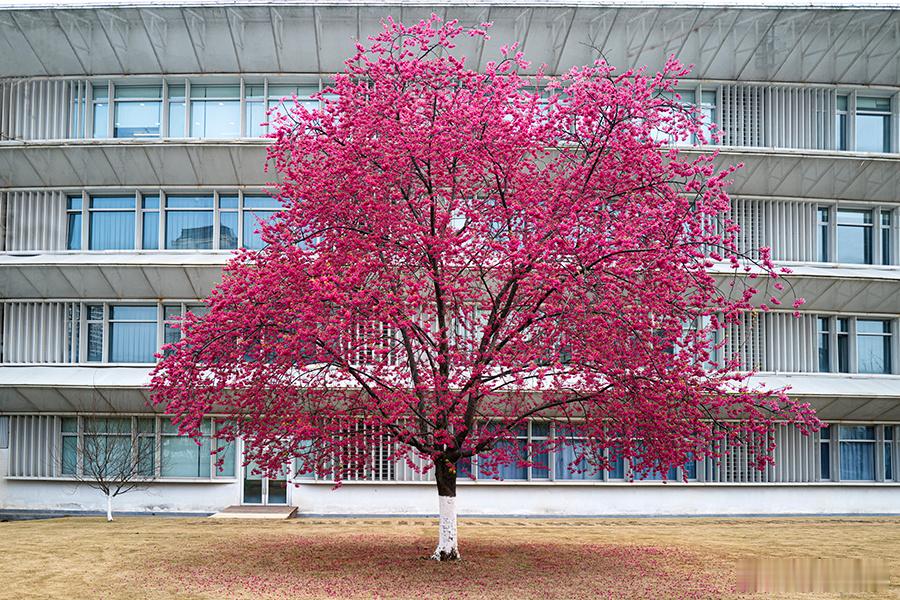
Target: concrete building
x=131, y=165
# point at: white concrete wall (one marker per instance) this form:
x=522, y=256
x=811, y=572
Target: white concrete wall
x=619, y=499
x=604, y=499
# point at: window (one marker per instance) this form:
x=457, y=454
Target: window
x=137, y=111
x=150, y=222
x=888, y=452
x=823, y=231
x=709, y=112
x=841, y=135
x=176, y=111
x=189, y=222
x=857, y=449
x=255, y=107
x=178, y=222
x=519, y=446
x=228, y=222
x=69, y=446
x=95, y=325
x=4, y=432
x=873, y=343
x=73, y=222
x=886, y=235
x=101, y=111
x=172, y=315
x=138, y=444
x=108, y=446
x=215, y=111
x=132, y=333
x=182, y=456
x=843, y=345
x=825, y=453
x=824, y=343
x=854, y=236
x=571, y=462
x=873, y=124
x=111, y=223
x=256, y=209
x=131, y=329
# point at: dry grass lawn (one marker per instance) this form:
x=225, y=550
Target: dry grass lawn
x=502, y=559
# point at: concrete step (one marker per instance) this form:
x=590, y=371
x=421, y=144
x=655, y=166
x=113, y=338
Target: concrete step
x=255, y=512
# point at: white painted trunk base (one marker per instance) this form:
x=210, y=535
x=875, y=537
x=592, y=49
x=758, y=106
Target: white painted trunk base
x=448, y=542
x=109, y=507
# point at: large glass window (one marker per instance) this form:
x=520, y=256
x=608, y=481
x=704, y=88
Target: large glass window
x=857, y=448
x=189, y=222
x=132, y=333
x=73, y=222
x=137, y=111
x=112, y=223
x=256, y=209
x=108, y=446
x=886, y=238
x=182, y=456
x=873, y=124
x=873, y=343
x=854, y=236
x=572, y=461
x=215, y=111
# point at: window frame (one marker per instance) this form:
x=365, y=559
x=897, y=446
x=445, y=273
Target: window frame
x=161, y=196
x=842, y=330
x=882, y=232
x=136, y=435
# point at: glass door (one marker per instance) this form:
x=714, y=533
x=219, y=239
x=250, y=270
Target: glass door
x=264, y=490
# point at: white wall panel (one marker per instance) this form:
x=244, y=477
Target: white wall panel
x=33, y=221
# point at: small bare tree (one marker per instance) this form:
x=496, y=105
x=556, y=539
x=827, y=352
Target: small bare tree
x=114, y=455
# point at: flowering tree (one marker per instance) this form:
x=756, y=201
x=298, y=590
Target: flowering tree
x=462, y=251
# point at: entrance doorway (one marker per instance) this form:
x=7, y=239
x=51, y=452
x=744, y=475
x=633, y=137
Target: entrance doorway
x=264, y=490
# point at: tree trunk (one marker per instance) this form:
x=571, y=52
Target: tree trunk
x=109, y=506
x=448, y=542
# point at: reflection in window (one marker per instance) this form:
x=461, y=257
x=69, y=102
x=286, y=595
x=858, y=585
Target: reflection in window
x=873, y=345
x=112, y=223
x=189, y=222
x=137, y=111
x=215, y=111
x=857, y=447
x=256, y=209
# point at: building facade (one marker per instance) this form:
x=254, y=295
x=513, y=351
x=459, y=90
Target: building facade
x=131, y=165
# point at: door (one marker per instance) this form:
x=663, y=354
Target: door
x=264, y=490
